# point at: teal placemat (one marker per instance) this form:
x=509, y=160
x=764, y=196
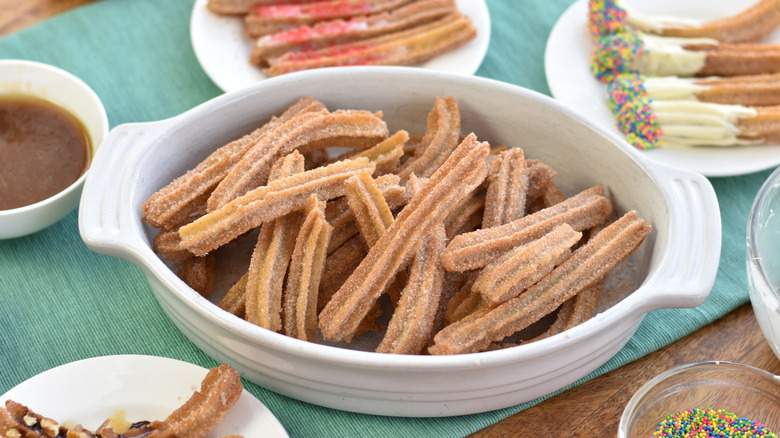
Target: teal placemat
x=60, y=302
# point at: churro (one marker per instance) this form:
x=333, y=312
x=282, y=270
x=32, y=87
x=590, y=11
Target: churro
x=339, y=265
x=649, y=123
x=263, y=20
x=586, y=266
x=338, y=31
x=463, y=172
x=752, y=24
x=748, y=90
x=311, y=130
x=243, y=7
x=478, y=248
x=406, y=47
x=234, y=300
x=266, y=203
x=175, y=202
x=412, y=322
x=385, y=155
x=439, y=140
x=523, y=266
x=341, y=217
x=507, y=188
x=650, y=55
x=371, y=211
x=198, y=416
x=466, y=218
x=306, y=266
x=199, y=273
x=271, y=256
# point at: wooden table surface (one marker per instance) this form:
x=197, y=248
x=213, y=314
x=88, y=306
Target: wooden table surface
x=592, y=409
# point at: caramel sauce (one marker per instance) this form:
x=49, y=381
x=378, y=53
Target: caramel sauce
x=43, y=150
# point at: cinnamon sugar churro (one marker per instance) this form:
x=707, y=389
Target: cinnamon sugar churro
x=463, y=171
x=451, y=236
x=588, y=265
x=271, y=256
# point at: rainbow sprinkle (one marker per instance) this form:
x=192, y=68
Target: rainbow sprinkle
x=708, y=423
x=616, y=54
x=605, y=17
x=633, y=111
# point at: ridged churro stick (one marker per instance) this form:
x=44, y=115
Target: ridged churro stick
x=406, y=47
x=478, y=248
x=649, y=123
x=523, y=266
x=752, y=24
x=412, y=322
x=631, y=52
x=263, y=20
x=463, y=172
x=587, y=265
x=271, y=256
x=306, y=268
x=507, y=188
x=206, y=408
x=369, y=207
x=339, y=31
x=243, y=7
x=385, y=155
x=313, y=130
x=439, y=140
x=173, y=203
x=342, y=218
x=267, y=203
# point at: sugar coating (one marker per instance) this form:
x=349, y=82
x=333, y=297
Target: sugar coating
x=633, y=111
x=704, y=423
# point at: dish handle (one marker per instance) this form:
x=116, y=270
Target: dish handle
x=107, y=220
x=686, y=274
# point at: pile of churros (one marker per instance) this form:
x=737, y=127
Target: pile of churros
x=438, y=242
x=294, y=35
x=673, y=82
x=199, y=415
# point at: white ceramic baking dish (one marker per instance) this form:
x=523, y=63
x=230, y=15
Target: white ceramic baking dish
x=675, y=267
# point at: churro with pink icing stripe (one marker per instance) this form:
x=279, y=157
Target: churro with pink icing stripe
x=463, y=172
x=306, y=267
x=264, y=20
x=406, y=47
x=586, y=266
x=271, y=257
x=243, y=7
x=339, y=31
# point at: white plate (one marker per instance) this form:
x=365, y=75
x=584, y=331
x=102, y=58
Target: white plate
x=144, y=387
x=223, y=49
x=567, y=66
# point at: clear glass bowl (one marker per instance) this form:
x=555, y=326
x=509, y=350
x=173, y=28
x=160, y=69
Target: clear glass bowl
x=740, y=389
x=763, y=259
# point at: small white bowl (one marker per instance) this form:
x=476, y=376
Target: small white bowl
x=45, y=82
x=763, y=259
x=674, y=267
x=739, y=389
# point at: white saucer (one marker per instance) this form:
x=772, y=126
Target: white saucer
x=89, y=391
x=567, y=66
x=223, y=49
